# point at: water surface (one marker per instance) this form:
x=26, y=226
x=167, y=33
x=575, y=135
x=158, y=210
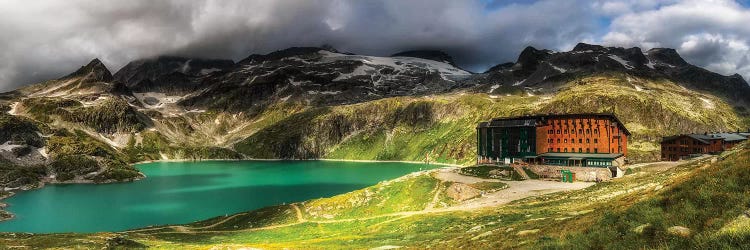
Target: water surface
x=183, y=192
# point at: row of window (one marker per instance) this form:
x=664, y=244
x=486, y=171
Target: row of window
x=685, y=150
x=580, y=150
x=572, y=131
x=573, y=140
x=573, y=150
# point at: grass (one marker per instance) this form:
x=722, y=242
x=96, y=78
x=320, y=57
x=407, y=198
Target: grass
x=708, y=198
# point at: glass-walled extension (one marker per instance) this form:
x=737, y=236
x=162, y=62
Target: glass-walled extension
x=504, y=144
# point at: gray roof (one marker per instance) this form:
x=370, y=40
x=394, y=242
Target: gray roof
x=581, y=155
x=706, y=138
x=731, y=136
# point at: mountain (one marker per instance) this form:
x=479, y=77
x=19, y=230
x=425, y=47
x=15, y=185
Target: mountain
x=310, y=102
x=321, y=77
x=169, y=73
x=545, y=70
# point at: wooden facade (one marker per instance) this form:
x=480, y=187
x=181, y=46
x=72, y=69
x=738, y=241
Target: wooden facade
x=679, y=147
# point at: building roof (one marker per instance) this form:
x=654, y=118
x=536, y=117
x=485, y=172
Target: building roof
x=529, y=120
x=578, y=156
x=731, y=137
x=706, y=138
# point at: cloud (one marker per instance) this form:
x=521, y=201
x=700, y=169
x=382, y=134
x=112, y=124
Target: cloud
x=46, y=39
x=713, y=34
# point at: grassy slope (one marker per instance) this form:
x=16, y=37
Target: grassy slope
x=708, y=198
x=442, y=127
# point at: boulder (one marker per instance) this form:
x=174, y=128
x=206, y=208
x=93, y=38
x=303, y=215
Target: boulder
x=679, y=231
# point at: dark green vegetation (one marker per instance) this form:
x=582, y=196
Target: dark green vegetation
x=642, y=210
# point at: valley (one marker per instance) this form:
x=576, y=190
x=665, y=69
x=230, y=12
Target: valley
x=301, y=103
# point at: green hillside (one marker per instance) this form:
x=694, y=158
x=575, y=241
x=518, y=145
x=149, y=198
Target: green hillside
x=442, y=127
x=700, y=204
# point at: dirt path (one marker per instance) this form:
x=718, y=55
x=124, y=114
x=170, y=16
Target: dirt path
x=522, y=189
x=299, y=213
x=516, y=190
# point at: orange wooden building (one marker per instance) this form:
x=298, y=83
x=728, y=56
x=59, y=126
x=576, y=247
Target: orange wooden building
x=588, y=139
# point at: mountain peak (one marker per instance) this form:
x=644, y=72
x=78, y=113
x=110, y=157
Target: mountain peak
x=586, y=46
x=435, y=55
x=667, y=55
x=93, y=71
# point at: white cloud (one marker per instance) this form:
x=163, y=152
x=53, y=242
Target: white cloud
x=713, y=34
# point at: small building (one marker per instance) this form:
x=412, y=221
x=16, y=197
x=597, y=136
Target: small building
x=684, y=146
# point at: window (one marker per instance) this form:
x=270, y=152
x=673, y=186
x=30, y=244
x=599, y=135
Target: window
x=596, y=131
x=550, y=131
x=565, y=131
x=558, y=131
x=566, y=140
x=588, y=140
x=549, y=150
x=572, y=131
x=596, y=141
x=588, y=131
x=558, y=140
x=573, y=141
x=588, y=150
x=566, y=150
x=580, y=131
x=580, y=150
x=558, y=150
x=596, y=150
x=580, y=140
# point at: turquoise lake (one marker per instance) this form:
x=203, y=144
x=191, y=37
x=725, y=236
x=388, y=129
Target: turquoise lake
x=184, y=192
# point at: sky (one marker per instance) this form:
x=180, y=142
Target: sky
x=46, y=39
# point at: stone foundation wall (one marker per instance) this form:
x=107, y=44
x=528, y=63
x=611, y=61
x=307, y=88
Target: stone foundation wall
x=582, y=173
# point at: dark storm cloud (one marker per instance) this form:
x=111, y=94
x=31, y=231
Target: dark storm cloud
x=46, y=39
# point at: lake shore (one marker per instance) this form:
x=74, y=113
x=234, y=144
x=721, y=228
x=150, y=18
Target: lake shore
x=324, y=159
x=47, y=181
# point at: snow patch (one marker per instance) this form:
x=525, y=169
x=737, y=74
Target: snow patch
x=399, y=64
x=43, y=152
x=624, y=63
x=562, y=70
x=493, y=88
x=637, y=88
x=284, y=99
x=13, y=109
x=650, y=64
x=161, y=98
x=529, y=93
x=519, y=82
x=707, y=103
x=8, y=147
x=209, y=71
